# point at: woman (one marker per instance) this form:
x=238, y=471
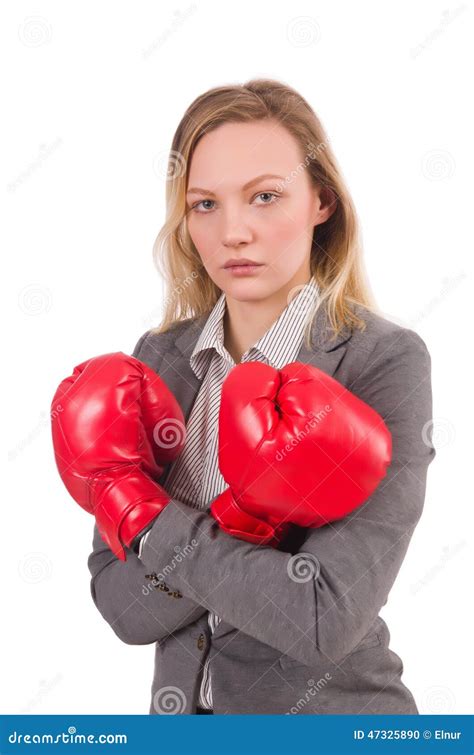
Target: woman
x=262, y=262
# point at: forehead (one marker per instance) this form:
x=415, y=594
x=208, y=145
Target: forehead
x=234, y=153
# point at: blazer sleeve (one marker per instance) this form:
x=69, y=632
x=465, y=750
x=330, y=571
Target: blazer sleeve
x=320, y=602
x=126, y=595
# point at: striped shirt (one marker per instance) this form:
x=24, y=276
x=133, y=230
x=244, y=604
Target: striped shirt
x=194, y=477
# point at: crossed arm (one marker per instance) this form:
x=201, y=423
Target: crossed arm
x=263, y=592
x=127, y=599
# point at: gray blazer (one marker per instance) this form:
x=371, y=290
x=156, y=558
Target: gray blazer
x=300, y=630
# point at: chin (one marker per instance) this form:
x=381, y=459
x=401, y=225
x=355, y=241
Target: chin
x=246, y=290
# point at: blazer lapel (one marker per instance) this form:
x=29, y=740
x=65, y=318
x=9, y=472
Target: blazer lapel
x=326, y=353
x=176, y=369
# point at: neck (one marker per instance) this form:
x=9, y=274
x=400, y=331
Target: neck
x=245, y=322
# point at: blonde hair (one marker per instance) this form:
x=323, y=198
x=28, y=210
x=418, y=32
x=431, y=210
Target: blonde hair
x=336, y=255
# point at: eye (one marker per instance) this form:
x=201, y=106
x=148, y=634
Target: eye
x=194, y=207
x=204, y=203
x=270, y=194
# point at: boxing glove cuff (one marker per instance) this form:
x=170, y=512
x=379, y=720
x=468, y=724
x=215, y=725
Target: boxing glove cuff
x=238, y=523
x=124, y=500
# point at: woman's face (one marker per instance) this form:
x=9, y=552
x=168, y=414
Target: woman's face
x=235, y=210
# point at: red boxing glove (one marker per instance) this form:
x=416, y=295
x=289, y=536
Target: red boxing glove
x=295, y=446
x=115, y=425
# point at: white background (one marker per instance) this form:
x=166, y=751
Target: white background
x=92, y=95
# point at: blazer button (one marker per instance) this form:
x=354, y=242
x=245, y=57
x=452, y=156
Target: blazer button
x=201, y=642
x=158, y=584
x=175, y=594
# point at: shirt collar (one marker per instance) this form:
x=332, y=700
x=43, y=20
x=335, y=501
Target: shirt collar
x=279, y=345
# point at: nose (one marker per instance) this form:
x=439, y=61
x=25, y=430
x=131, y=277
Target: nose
x=235, y=229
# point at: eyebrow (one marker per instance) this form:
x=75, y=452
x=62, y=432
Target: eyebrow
x=198, y=190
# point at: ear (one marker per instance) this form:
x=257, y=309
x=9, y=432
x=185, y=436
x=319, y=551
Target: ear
x=325, y=204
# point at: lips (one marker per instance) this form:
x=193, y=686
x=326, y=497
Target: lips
x=241, y=263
